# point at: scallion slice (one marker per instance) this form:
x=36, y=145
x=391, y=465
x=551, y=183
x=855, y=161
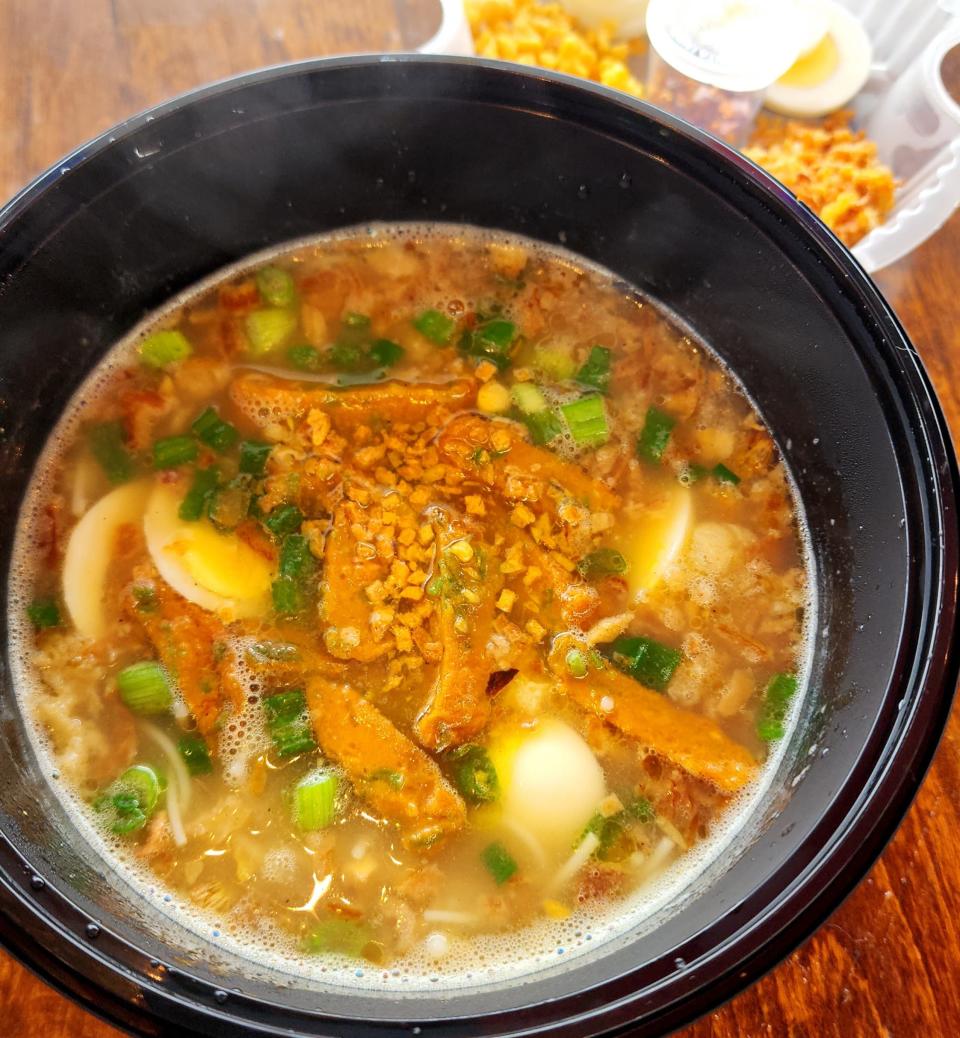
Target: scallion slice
x=576, y=663
x=212, y=430
x=475, y=775
x=555, y=364
x=305, y=357
x=196, y=754
x=771, y=719
x=499, y=862
x=315, y=801
x=288, y=597
x=604, y=562
x=107, y=444
x=284, y=519
x=128, y=801
x=172, y=451
x=437, y=327
x=342, y=936
x=385, y=353
x=288, y=723
x=43, y=613
x=528, y=398
x=596, y=370
x=253, y=457
x=724, y=475
x=275, y=286
x=296, y=559
x=354, y=320
x=586, y=419
x=544, y=426
x=196, y=501
x=490, y=340
x=165, y=347
x=144, y=688
x=648, y=661
x=268, y=329
x=655, y=434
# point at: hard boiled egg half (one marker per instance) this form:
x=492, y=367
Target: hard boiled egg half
x=833, y=65
x=550, y=782
x=214, y=570
x=656, y=537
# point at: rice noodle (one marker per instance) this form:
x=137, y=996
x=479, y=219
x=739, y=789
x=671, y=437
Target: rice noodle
x=174, y=817
x=576, y=861
x=178, y=770
x=528, y=840
x=445, y=915
x=658, y=858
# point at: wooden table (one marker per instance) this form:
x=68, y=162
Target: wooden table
x=887, y=963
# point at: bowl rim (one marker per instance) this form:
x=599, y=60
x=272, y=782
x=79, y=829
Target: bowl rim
x=844, y=861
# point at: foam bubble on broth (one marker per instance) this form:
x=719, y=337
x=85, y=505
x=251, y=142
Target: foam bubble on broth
x=476, y=960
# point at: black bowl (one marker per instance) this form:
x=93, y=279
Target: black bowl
x=171, y=196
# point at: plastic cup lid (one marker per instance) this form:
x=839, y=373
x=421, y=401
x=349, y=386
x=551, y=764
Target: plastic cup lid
x=737, y=45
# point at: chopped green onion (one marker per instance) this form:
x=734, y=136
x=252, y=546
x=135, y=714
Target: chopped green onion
x=724, y=475
x=385, y=353
x=394, y=779
x=108, y=448
x=284, y=519
x=288, y=723
x=576, y=664
x=556, y=365
x=144, y=688
x=648, y=661
x=528, y=398
x=276, y=286
x=129, y=800
x=342, y=936
x=347, y=356
x=268, y=330
x=305, y=357
x=43, y=612
x=691, y=473
x=288, y=597
x=475, y=775
x=655, y=435
x=172, y=451
x=253, y=457
x=212, y=430
x=314, y=801
x=596, y=371
x=165, y=347
x=143, y=782
x=491, y=340
x=230, y=505
x=499, y=862
x=771, y=719
x=198, y=498
x=587, y=421
x=145, y=597
x=195, y=754
x=603, y=562
x=608, y=831
x=544, y=426
x=355, y=320
x=296, y=560
x=641, y=809
x=437, y=327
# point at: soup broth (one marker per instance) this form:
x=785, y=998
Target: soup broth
x=410, y=587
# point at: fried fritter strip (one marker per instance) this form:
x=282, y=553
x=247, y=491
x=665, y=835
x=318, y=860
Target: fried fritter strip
x=345, y=609
x=690, y=741
x=265, y=399
x=458, y=707
x=396, y=778
x=511, y=456
x=185, y=638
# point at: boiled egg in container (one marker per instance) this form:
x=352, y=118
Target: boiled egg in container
x=216, y=571
x=834, y=61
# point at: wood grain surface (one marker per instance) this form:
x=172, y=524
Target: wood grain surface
x=888, y=962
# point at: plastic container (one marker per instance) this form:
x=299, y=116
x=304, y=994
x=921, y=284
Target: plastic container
x=710, y=61
x=907, y=110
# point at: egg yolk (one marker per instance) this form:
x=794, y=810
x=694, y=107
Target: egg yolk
x=816, y=66
x=222, y=564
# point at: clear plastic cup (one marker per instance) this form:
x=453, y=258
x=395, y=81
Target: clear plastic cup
x=711, y=61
